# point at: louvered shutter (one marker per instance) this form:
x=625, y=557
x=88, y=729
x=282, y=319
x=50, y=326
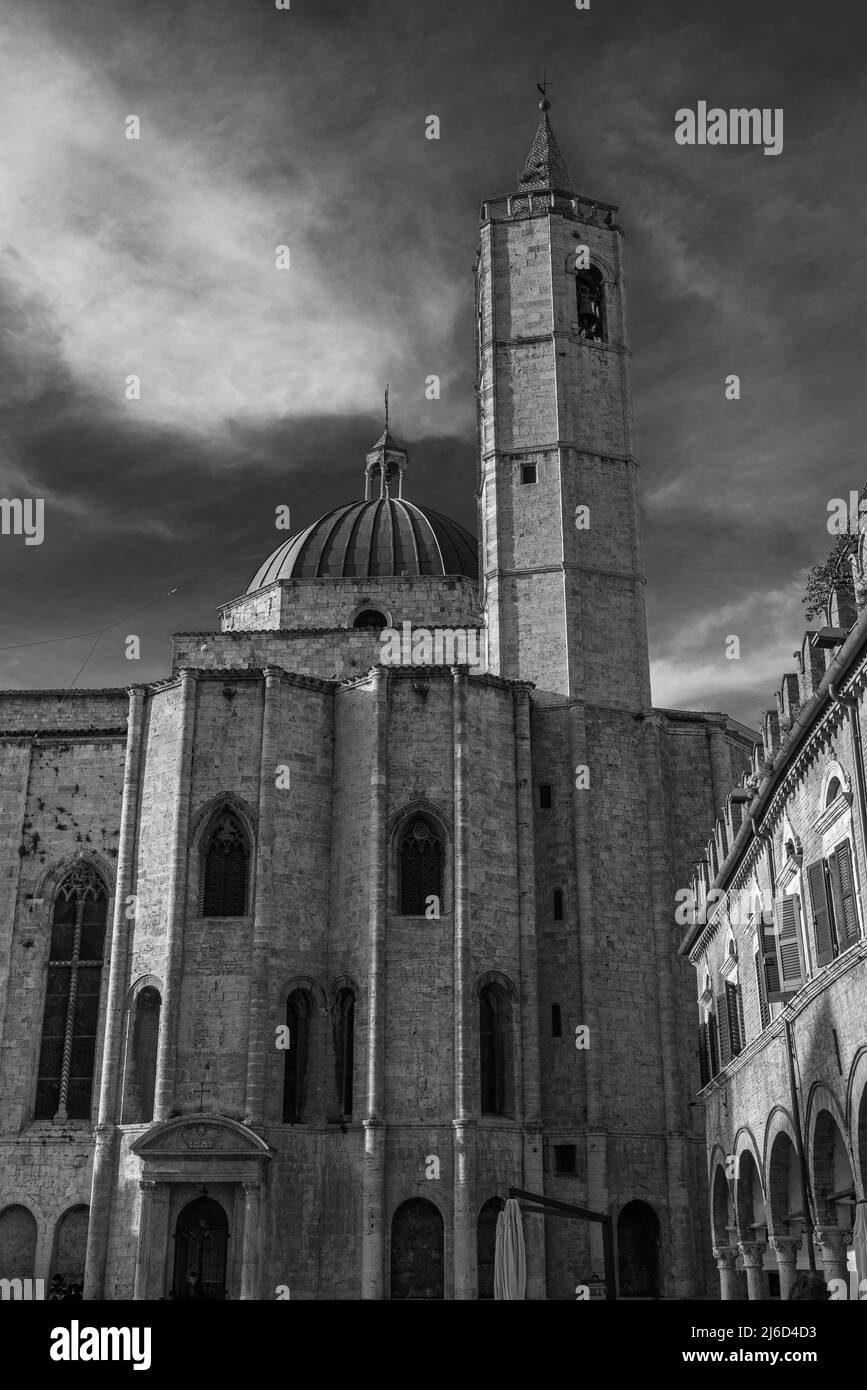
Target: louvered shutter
x=703, y=1059
x=725, y=1041
x=713, y=1044
x=822, y=929
x=762, y=989
x=734, y=1016
x=843, y=893
x=771, y=963
x=787, y=945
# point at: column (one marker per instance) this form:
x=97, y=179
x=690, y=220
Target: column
x=164, y=1097
x=753, y=1252
x=596, y=1136
x=465, y=1250
x=726, y=1258
x=250, y=1247
x=105, y=1132
x=145, y=1232
x=786, y=1250
x=533, y=1176
x=260, y=1034
x=373, y=1159
x=831, y=1242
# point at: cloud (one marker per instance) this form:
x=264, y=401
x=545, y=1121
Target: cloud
x=691, y=669
x=157, y=257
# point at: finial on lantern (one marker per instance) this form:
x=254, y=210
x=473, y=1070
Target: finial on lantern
x=544, y=104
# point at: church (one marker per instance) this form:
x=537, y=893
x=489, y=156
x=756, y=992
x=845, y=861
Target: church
x=308, y=956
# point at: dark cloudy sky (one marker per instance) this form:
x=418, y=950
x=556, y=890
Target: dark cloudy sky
x=306, y=127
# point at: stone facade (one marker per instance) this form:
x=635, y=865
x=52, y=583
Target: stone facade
x=567, y=810
x=778, y=942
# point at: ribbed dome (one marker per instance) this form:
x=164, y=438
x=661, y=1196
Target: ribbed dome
x=373, y=539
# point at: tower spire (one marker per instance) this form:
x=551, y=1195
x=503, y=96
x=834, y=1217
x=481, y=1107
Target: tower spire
x=545, y=167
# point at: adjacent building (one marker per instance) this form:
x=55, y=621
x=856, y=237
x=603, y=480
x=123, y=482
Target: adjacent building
x=777, y=938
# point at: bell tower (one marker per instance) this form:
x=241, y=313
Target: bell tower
x=560, y=548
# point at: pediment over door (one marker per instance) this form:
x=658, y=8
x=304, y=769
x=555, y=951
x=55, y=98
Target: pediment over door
x=194, y=1145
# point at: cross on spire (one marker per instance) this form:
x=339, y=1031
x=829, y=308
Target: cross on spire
x=543, y=88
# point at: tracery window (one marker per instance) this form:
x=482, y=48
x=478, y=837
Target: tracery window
x=421, y=868
x=66, y=1059
x=225, y=873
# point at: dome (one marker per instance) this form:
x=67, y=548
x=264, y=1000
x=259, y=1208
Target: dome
x=377, y=538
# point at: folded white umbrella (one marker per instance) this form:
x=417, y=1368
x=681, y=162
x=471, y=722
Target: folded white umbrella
x=510, y=1264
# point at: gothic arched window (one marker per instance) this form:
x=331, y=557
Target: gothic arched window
x=299, y=1007
x=421, y=868
x=590, y=292
x=66, y=1059
x=495, y=1049
x=225, y=871
x=345, y=1048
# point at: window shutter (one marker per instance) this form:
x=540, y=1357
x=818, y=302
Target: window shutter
x=787, y=945
x=713, y=1045
x=822, y=929
x=703, y=1060
x=725, y=1039
x=770, y=964
x=843, y=893
x=736, y=1036
x=762, y=989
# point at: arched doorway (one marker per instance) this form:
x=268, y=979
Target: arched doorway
x=17, y=1243
x=201, y=1239
x=724, y=1231
x=750, y=1202
x=487, y=1244
x=417, y=1254
x=785, y=1199
x=638, y=1251
x=833, y=1183
x=70, y=1245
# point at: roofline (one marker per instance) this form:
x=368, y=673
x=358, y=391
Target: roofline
x=801, y=729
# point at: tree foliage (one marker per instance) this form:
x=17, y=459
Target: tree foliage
x=834, y=572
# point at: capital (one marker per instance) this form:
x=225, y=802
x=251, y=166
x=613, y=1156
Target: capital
x=786, y=1248
x=833, y=1239
x=753, y=1252
x=725, y=1256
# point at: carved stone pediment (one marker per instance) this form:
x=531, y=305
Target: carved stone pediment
x=191, y=1139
